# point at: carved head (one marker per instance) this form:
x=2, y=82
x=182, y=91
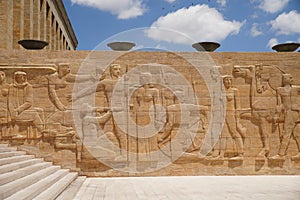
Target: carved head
x=227, y=81
x=179, y=93
x=115, y=70
x=2, y=77
x=63, y=69
x=20, y=78
x=287, y=79
x=243, y=71
x=145, y=78
x=169, y=78
x=215, y=72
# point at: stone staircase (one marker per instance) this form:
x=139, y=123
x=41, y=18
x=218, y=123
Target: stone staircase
x=26, y=177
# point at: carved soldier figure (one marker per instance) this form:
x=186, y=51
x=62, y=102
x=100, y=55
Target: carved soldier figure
x=60, y=79
x=62, y=117
x=106, y=86
x=90, y=119
x=183, y=119
x=21, y=102
x=289, y=108
x=4, y=86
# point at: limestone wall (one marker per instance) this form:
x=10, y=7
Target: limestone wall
x=110, y=113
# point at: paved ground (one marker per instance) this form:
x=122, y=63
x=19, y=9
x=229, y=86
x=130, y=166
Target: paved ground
x=199, y=187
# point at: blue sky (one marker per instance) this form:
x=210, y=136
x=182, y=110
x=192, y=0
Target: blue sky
x=238, y=25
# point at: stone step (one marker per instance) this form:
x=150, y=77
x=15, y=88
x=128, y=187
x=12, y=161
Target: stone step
x=17, y=165
x=26, y=177
x=70, y=192
x=11, y=153
x=5, y=161
x=17, y=185
x=19, y=173
x=58, y=187
x=40, y=186
x=7, y=149
x=31, y=150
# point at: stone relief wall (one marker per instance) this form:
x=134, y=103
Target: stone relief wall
x=152, y=113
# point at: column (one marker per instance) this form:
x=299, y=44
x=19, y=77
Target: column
x=57, y=37
x=22, y=19
x=36, y=19
x=27, y=6
x=53, y=33
x=48, y=26
x=43, y=19
x=31, y=19
x=16, y=23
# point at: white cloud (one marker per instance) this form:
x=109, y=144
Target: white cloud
x=273, y=6
x=299, y=40
x=170, y=1
x=254, y=30
x=289, y=41
x=287, y=23
x=124, y=9
x=272, y=42
x=222, y=2
x=198, y=22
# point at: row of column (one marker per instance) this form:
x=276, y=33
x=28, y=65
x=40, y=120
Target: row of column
x=30, y=19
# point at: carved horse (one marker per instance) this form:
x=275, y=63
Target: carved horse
x=263, y=82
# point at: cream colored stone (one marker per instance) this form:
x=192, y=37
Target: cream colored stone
x=54, y=75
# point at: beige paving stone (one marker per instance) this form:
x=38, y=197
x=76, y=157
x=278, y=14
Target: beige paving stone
x=192, y=187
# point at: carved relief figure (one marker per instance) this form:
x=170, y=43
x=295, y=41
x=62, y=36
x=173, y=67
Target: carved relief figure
x=69, y=141
x=289, y=109
x=144, y=98
x=168, y=97
x=60, y=121
x=4, y=87
x=186, y=118
x=218, y=112
x=60, y=79
x=20, y=102
x=262, y=101
x=106, y=86
x=90, y=120
x=231, y=120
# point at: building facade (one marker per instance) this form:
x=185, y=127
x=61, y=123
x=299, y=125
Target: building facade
x=44, y=20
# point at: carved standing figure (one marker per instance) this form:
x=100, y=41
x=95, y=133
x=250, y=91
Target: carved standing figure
x=232, y=115
x=289, y=107
x=106, y=86
x=144, y=98
x=4, y=86
x=217, y=113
